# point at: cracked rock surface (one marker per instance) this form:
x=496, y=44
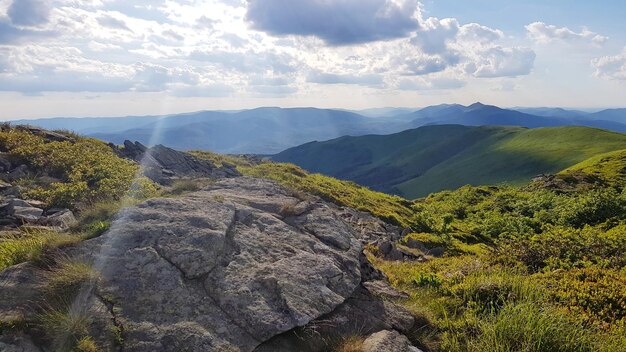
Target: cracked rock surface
x=223, y=269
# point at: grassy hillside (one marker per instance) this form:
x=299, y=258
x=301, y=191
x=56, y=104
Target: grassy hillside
x=417, y=162
x=537, y=267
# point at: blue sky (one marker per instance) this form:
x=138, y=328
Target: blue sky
x=117, y=57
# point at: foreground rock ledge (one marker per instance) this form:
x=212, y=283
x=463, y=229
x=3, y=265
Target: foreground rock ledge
x=226, y=268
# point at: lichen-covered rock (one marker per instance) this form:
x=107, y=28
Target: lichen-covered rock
x=223, y=269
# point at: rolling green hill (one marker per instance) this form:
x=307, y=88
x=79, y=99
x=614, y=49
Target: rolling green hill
x=417, y=162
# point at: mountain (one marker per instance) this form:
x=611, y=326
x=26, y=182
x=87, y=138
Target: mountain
x=270, y=130
x=260, y=131
x=615, y=115
x=417, y=162
x=479, y=114
x=553, y=112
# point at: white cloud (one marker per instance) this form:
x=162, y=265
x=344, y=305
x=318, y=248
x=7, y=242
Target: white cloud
x=545, y=33
x=502, y=62
x=612, y=67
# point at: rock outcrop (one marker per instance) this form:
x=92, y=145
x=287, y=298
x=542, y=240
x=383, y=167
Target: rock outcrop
x=226, y=268
x=242, y=265
x=164, y=165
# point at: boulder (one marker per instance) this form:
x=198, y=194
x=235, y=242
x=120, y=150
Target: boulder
x=17, y=173
x=388, y=341
x=221, y=269
x=27, y=214
x=363, y=313
x=380, y=288
x=12, y=203
x=415, y=244
x=12, y=191
x=164, y=165
x=436, y=252
x=62, y=220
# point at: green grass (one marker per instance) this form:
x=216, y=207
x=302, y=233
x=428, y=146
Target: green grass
x=608, y=167
x=391, y=208
x=64, y=280
x=64, y=329
x=417, y=162
x=31, y=246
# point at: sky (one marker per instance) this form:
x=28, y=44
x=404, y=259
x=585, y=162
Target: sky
x=146, y=57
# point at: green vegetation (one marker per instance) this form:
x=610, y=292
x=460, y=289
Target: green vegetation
x=390, y=208
x=84, y=175
x=552, y=278
x=417, y=162
x=31, y=245
x=65, y=329
x=537, y=267
x=73, y=174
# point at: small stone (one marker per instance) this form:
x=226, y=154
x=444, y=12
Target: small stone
x=382, y=289
x=36, y=203
x=385, y=247
x=415, y=244
x=437, y=251
x=18, y=173
x=388, y=341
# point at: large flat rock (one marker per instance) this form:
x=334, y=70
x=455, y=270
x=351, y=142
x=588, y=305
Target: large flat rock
x=226, y=268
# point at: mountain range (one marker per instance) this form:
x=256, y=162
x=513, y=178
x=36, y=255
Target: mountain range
x=271, y=130
x=428, y=159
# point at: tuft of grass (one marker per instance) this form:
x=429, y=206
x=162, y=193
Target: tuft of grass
x=31, y=245
x=63, y=281
x=188, y=185
x=220, y=159
x=350, y=344
x=86, y=344
x=118, y=337
x=96, y=219
x=64, y=329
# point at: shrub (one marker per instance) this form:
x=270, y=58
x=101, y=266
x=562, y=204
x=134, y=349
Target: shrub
x=596, y=294
x=88, y=169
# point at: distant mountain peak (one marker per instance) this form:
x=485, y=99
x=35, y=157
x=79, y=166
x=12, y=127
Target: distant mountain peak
x=477, y=105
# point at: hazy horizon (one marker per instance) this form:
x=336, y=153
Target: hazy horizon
x=583, y=109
